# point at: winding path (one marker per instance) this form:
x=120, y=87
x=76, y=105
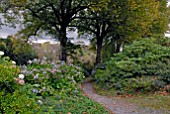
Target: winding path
x=117, y=106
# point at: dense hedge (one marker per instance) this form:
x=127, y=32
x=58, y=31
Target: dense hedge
x=145, y=57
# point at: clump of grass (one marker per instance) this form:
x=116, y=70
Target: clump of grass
x=155, y=101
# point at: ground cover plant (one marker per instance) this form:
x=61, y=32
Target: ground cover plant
x=43, y=87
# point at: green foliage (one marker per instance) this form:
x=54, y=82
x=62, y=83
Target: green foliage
x=144, y=23
x=17, y=50
x=139, y=84
x=136, y=19
x=7, y=75
x=148, y=57
x=55, y=77
x=57, y=88
x=12, y=98
x=73, y=104
x=85, y=58
x=48, y=88
x=17, y=102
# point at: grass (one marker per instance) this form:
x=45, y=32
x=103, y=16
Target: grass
x=103, y=90
x=155, y=101
x=159, y=100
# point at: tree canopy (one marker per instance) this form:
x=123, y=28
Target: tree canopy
x=52, y=16
x=109, y=21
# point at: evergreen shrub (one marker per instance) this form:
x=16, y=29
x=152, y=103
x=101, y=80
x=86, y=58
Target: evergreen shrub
x=145, y=57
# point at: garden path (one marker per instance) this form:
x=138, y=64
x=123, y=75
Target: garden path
x=116, y=105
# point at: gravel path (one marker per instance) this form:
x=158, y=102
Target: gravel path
x=117, y=106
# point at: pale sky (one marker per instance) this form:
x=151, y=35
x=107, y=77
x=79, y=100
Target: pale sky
x=168, y=3
x=5, y=31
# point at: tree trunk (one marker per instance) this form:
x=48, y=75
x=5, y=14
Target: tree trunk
x=119, y=47
x=99, y=49
x=63, y=44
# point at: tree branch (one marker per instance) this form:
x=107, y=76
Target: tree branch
x=55, y=12
x=40, y=9
x=84, y=27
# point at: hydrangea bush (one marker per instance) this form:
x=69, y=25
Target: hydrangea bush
x=54, y=77
x=43, y=87
x=12, y=97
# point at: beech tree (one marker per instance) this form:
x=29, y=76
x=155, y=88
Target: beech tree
x=110, y=21
x=98, y=23
x=97, y=28
x=138, y=19
x=51, y=16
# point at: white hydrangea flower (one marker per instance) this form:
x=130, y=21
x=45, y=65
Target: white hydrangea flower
x=21, y=76
x=13, y=62
x=29, y=61
x=36, y=85
x=35, y=60
x=1, y=53
x=40, y=102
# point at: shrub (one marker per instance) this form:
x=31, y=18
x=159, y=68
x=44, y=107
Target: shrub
x=142, y=84
x=144, y=57
x=57, y=88
x=12, y=98
x=86, y=58
x=48, y=88
x=50, y=78
x=17, y=50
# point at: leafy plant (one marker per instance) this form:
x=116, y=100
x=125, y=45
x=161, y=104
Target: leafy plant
x=47, y=88
x=17, y=50
x=57, y=88
x=145, y=57
x=73, y=104
x=12, y=97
